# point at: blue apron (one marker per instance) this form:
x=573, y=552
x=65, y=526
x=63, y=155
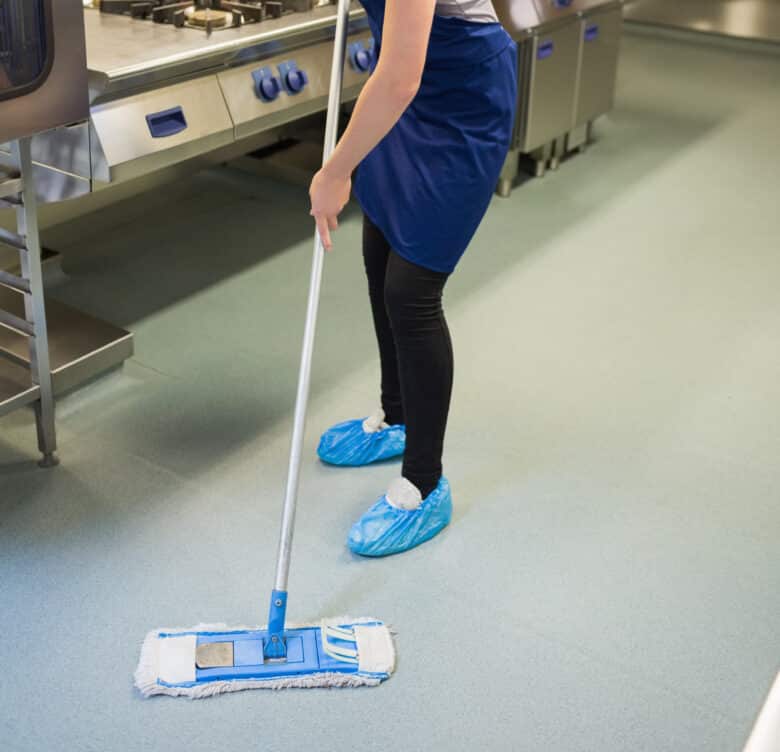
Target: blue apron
x=428, y=183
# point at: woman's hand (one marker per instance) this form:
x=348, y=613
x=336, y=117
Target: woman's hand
x=329, y=193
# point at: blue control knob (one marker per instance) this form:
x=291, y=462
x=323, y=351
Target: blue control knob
x=269, y=89
x=293, y=77
x=361, y=57
x=267, y=86
x=362, y=60
x=296, y=80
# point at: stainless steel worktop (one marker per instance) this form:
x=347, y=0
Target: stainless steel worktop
x=743, y=19
x=125, y=53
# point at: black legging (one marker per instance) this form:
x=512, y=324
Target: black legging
x=415, y=352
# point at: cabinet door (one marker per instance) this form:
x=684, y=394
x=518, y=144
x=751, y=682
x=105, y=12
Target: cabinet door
x=601, y=34
x=553, y=85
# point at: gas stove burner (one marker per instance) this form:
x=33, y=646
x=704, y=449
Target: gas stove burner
x=206, y=18
x=205, y=14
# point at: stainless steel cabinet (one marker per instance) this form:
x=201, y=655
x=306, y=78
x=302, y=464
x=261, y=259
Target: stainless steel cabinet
x=552, y=84
x=600, y=44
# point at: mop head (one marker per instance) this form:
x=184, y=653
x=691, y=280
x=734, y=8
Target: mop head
x=211, y=658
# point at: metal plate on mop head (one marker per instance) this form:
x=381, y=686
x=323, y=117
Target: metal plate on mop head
x=246, y=656
x=214, y=655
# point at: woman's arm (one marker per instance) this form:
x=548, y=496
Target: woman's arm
x=387, y=93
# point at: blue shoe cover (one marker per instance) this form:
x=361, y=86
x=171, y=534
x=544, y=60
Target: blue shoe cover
x=349, y=445
x=385, y=529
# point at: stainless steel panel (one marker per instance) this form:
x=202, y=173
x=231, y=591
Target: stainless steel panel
x=123, y=146
x=745, y=19
x=63, y=97
x=252, y=115
x=52, y=185
x=65, y=149
x=598, y=70
x=552, y=85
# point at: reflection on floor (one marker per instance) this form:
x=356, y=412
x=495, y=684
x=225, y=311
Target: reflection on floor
x=611, y=578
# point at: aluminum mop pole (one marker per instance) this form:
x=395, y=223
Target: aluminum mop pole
x=275, y=647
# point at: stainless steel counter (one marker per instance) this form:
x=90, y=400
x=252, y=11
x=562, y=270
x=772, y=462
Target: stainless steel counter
x=744, y=19
x=125, y=53
x=141, y=72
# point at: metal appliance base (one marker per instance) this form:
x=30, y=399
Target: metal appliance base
x=81, y=347
x=545, y=157
x=534, y=163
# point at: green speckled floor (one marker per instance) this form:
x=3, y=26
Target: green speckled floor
x=611, y=580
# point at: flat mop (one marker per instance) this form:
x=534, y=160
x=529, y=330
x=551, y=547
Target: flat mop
x=211, y=659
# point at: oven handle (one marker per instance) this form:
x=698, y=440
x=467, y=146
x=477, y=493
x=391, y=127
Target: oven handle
x=166, y=122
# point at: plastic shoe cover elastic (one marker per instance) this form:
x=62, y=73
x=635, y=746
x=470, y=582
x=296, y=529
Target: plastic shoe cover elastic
x=350, y=444
x=385, y=529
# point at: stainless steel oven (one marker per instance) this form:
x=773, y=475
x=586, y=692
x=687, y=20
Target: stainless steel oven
x=43, y=68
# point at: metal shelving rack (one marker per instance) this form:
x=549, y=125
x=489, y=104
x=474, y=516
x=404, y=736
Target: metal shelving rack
x=29, y=381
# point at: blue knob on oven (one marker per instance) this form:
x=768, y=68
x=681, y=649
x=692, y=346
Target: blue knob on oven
x=361, y=57
x=293, y=78
x=267, y=86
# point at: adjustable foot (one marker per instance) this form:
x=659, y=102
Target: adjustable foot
x=504, y=187
x=49, y=460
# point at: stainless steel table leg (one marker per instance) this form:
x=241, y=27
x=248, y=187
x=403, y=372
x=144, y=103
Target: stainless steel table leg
x=40, y=369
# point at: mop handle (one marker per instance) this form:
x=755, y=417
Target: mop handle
x=304, y=377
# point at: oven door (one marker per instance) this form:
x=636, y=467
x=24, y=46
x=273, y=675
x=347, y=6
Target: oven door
x=43, y=72
x=26, y=46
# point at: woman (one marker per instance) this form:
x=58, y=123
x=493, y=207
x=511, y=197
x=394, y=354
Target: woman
x=430, y=132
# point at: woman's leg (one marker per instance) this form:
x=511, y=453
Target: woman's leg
x=376, y=252
x=413, y=298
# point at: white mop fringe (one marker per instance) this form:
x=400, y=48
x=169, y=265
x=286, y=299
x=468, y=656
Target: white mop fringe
x=147, y=673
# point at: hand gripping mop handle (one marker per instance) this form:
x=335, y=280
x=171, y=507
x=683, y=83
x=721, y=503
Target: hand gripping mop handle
x=275, y=647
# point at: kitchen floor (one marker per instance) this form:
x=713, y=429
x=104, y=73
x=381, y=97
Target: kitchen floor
x=611, y=578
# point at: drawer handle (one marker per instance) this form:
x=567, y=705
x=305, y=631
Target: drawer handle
x=591, y=33
x=545, y=50
x=167, y=122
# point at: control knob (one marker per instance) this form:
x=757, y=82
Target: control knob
x=293, y=77
x=267, y=86
x=361, y=57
